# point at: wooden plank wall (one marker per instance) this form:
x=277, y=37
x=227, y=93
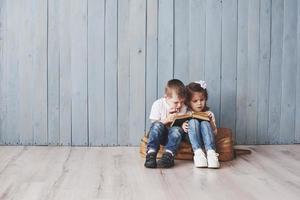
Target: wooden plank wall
x=86, y=72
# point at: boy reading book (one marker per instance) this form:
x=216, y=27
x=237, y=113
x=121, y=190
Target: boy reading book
x=162, y=114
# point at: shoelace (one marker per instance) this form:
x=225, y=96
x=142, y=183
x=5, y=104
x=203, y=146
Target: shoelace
x=167, y=157
x=150, y=156
x=214, y=153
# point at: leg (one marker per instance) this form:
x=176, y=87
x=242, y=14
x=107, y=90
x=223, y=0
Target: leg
x=207, y=135
x=195, y=134
x=209, y=143
x=196, y=140
x=174, y=139
x=157, y=135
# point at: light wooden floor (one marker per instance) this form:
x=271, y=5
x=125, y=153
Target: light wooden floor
x=270, y=172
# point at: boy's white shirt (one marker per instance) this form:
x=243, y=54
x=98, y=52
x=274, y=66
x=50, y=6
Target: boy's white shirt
x=212, y=122
x=160, y=110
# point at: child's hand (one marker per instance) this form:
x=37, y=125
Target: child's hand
x=210, y=115
x=185, y=126
x=173, y=110
x=169, y=118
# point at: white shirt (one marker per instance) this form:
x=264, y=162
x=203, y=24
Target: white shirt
x=160, y=110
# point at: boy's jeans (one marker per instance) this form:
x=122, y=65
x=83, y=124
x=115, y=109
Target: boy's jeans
x=200, y=133
x=169, y=137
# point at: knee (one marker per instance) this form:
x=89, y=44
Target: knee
x=156, y=128
x=193, y=123
x=157, y=125
x=205, y=125
x=175, y=132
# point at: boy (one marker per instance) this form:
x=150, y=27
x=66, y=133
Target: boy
x=162, y=113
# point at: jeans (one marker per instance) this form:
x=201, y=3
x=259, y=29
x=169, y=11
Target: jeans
x=169, y=137
x=201, y=135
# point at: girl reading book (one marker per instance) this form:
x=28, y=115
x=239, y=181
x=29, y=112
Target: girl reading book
x=201, y=133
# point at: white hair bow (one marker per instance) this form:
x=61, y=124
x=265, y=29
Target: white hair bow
x=202, y=83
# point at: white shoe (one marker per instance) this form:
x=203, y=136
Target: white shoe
x=200, y=158
x=212, y=159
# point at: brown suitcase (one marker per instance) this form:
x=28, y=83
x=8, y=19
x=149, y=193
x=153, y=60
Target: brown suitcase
x=224, y=145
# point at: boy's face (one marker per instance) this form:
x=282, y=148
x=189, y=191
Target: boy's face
x=175, y=103
x=198, y=102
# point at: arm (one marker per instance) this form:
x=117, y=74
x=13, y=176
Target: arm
x=212, y=122
x=157, y=116
x=185, y=126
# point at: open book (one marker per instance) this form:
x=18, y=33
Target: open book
x=180, y=119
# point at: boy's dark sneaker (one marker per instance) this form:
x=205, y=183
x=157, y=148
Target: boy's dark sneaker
x=150, y=160
x=166, y=161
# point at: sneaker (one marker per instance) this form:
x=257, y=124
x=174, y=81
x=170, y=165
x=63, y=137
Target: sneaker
x=150, y=160
x=166, y=161
x=200, y=158
x=212, y=159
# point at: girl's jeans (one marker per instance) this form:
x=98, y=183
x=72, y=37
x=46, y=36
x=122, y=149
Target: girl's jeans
x=201, y=135
x=169, y=137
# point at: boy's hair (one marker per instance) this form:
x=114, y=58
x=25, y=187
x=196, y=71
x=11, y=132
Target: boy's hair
x=195, y=87
x=176, y=86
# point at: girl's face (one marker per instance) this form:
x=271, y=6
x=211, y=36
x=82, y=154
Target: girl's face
x=198, y=102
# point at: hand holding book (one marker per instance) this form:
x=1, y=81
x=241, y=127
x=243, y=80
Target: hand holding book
x=180, y=119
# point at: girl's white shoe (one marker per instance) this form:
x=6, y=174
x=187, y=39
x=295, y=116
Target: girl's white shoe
x=200, y=158
x=212, y=159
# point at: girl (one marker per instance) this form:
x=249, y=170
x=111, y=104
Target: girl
x=201, y=133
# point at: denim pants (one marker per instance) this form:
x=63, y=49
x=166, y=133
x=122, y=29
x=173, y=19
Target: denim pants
x=169, y=137
x=201, y=135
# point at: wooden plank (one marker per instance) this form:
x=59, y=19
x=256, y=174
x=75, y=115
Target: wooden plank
x=181, y=40
x=229, y=64
x=96, y=71
x=110, y=135
x=151, y=57
x=35, y=162
x=242, y=70
x=275, y=71
x=25, y=59
x=32, y=59
x=123, y=72
x=253, y=62
x=264, y=72
x=213, y=56
x=289, y=63
x=3, y=70
x=65, y=79
x=39, y=11
x=53, y=173
x=137, y=17
x=197, y=29
x=59, y=73
x=297, y=119
x=79, y=72
x=53, y=73
x=165, y=44
x=12, y=135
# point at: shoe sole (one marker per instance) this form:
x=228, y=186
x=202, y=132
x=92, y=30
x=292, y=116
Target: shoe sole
x=213, y=167
x=200, y=166
x=163, y=166
x=150, y=167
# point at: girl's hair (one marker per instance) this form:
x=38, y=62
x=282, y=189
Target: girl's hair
x=192, y=88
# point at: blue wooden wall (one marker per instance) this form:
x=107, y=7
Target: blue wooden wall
x=85, y=72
